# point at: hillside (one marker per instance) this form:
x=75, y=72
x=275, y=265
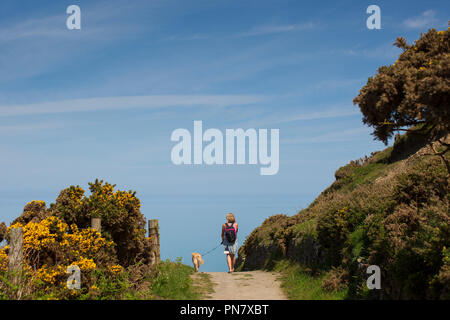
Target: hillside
x=390, y=209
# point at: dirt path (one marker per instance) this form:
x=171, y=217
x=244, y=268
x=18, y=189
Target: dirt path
x=254, y=285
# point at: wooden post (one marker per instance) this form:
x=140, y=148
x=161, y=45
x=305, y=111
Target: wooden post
x=96, y=224
x=153, y=233
x=15, y=254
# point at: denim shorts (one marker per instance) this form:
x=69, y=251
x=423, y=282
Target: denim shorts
x=231, y=248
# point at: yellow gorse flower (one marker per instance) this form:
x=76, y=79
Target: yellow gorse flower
x=54, y=235
x=115, y=269
x=85, y=264
x=39, y=202
x=40, y=235
x=49, y=275
x=121, y=198
x=3, y=260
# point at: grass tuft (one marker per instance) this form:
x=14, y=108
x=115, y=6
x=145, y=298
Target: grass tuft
x=298, y=284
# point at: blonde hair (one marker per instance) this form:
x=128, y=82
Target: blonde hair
x=231, y=218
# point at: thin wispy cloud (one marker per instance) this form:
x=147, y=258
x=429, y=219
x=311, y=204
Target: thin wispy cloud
x=44, y=27
x=386, y=51
x=333, y=84
x=256, y=31
x=95, y=24
x=277, y=119
x=26, y=128
x=197, y=36
x=383, y=51
x=426, y=19
x=273, y=29
x=128, y=102
x=33, y=45
x=332, y=113
x=335, y=136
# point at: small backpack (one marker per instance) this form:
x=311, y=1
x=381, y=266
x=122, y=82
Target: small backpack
x=230, y=233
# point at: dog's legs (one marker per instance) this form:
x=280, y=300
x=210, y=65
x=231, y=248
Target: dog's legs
x=195, y=265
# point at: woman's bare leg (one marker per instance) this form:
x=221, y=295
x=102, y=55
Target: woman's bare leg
x=233, y=262
x=229, y=262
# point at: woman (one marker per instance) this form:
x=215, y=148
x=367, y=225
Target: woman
x=230, y=247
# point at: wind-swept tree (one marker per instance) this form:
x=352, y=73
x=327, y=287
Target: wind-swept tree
x=413, y=94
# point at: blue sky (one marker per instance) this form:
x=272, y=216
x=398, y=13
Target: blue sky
x=101, y=102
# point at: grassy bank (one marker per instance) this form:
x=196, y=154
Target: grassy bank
x=299, y=284
x=170, y=281
x=173, y=281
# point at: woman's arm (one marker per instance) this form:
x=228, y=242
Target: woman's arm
x=236, y=226
x=223, y=231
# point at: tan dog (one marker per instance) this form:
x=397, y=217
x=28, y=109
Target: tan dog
x=197, y=260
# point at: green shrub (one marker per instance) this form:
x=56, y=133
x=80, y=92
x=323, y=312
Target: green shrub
x=172, y=281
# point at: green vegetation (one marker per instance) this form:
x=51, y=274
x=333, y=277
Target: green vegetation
x=168, y=280
x=299, y=284
x=306, y=229
x=173, y=281
x=389, y=209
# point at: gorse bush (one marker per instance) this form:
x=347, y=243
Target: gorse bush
x=413, y=94
x=51, y=246
x=55, y=238
x=122, y=220
x=414, y=90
